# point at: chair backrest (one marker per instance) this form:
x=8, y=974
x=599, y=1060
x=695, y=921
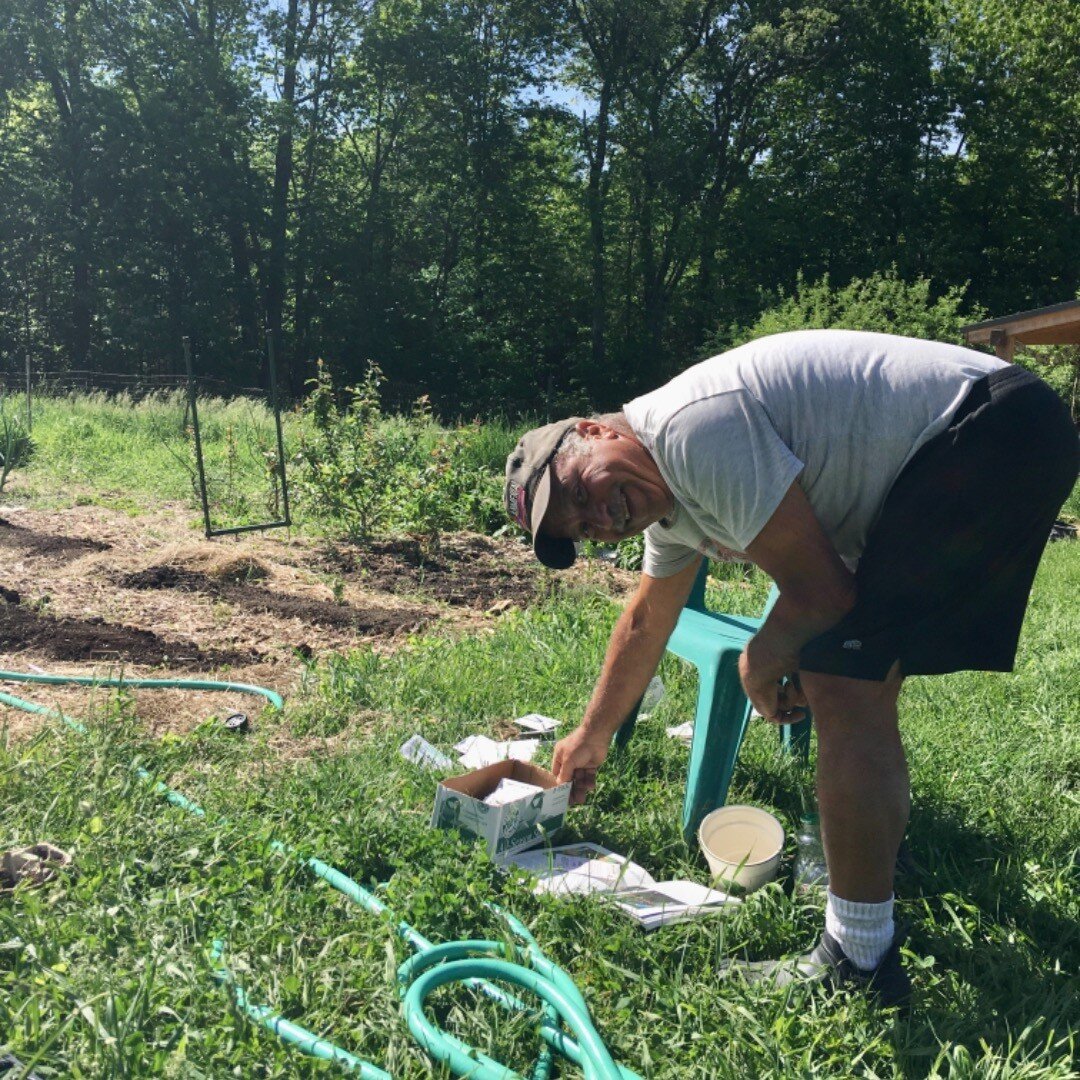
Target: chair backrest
x=696, y=600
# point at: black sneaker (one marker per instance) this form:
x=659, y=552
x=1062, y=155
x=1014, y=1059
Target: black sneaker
x=888, y=983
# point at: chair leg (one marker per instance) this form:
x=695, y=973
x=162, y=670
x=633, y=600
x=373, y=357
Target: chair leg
x=626, y=730
x=719, y=726
x=795, y=738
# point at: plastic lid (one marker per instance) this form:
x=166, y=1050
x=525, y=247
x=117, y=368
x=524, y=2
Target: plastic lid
x=236, y=721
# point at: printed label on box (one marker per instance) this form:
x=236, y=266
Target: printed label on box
x=511, y=827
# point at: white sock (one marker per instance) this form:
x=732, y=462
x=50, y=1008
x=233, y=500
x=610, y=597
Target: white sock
x=863, y=931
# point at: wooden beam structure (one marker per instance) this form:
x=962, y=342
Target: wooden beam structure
x=1058, y=324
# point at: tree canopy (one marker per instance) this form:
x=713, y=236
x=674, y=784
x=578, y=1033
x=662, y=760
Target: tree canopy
x=514, y=205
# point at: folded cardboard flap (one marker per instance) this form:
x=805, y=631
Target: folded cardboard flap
x=481, y=783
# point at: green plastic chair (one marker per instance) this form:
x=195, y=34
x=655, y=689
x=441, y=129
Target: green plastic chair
x=712, y=642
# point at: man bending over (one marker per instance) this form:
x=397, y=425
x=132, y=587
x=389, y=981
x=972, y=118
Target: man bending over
x=900, y=493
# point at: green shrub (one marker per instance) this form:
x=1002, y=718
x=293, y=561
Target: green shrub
x=350, y=456
x=882, y=302
x=447, y=489
x=1058, y=366
x=628, y=554
x=365, y=472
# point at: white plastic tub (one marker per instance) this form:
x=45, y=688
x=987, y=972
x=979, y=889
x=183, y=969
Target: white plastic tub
x=742, y=844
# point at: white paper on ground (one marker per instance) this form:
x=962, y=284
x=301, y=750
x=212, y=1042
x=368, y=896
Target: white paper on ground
x=521, y=749
x=685, y=732
x=670, y=901
x=581, y=868
x=537, y=724
x=420, y=752
x=476, y=751
x=683, y=893
x=474, y=741
x=510, y=790
x=590, y=868
x=562, y=859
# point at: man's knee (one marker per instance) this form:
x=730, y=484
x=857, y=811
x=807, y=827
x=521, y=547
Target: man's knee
x=832, y=697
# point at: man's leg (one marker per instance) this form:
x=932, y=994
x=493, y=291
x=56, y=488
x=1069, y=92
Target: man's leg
x=863, y=802
x=862, y=781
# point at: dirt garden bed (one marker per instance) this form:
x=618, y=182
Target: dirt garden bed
x=89, y=590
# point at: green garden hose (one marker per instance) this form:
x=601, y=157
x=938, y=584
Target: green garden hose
x=474, y=963
x=287, y=1030
x=150, y=684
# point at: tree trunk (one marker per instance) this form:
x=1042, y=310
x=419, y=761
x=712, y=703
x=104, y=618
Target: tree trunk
x=652, y=292
x=652, y=271
x=247, y=299
x=81, y=302
x=67, y=90
x=279, y=200
x=705, y=304
x=595, y=198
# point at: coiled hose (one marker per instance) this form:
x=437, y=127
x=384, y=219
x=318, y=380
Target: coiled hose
x=478, y=964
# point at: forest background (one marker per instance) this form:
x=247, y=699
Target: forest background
x=516, y=205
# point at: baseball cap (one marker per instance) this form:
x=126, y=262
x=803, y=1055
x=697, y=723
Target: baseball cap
x=527, y=492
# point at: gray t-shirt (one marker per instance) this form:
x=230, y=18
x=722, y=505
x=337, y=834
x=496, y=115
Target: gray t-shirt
x=841, y=410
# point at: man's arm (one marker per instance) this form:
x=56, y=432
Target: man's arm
x=816, y=591
x=633, y=653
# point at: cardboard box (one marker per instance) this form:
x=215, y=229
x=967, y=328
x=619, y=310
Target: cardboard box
x=504, y=829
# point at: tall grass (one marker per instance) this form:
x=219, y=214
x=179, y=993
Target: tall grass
x=115, y=450
x=126, y=453
x=488, y=445
x=120, y=452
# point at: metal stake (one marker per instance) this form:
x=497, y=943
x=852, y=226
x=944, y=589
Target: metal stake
x=275, y=405
x=195, y=427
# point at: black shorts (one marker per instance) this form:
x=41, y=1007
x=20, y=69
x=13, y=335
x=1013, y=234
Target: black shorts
x=944, y=580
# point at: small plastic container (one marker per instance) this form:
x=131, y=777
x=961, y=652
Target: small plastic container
x=654, y=694
x=742, y=845
x=237, y=723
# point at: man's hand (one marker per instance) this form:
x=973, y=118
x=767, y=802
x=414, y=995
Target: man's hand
x=816, y=591
x=780, y=703
x=576, y=758
x=636, y=645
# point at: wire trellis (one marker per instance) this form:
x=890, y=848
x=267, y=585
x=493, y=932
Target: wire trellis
x=138, y=385
x=38, y=382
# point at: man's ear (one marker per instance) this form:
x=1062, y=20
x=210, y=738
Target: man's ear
x=593, y=429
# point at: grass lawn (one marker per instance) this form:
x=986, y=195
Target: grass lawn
x=105, y=972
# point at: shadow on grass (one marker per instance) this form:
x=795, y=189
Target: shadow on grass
x=994, y=953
